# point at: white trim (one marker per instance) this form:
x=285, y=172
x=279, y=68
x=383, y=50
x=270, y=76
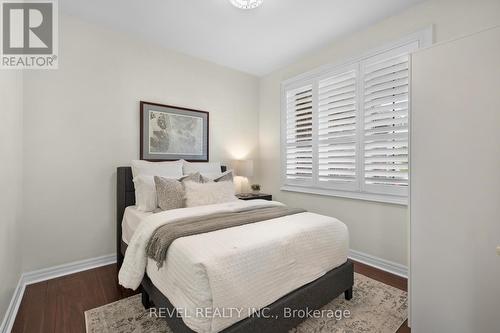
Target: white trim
x=66, y=269
x=47, y=274
x=384, y=198
x=10, y=315
x=411, y=173
x=382, y=264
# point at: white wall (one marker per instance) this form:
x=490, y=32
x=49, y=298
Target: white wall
x=82, y=121
x=377, y=229
x=11, y=113
x=455, y=191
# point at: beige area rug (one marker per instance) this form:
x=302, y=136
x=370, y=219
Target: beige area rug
x=375, y=307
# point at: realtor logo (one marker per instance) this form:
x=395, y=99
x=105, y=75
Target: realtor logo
x=29, y=34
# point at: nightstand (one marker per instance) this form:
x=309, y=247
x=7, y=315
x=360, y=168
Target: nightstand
x=253, y=196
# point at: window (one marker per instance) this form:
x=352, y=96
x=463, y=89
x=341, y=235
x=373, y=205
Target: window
x=345, y=129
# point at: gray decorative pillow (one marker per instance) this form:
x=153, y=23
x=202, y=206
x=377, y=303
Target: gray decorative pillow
x=170, y=193
x=226, y=176
x=195, y=177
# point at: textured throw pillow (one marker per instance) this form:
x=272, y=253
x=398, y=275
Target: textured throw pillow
x=143, y=173
x=170, y=192
x=224, y=177
x=199, y=194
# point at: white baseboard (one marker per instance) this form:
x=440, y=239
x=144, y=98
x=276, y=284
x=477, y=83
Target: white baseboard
x=15, y=301
x=47, y=274
x=66, y=269
x=382, y=264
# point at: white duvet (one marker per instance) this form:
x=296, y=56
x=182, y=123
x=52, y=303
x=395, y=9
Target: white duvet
x=215, y=279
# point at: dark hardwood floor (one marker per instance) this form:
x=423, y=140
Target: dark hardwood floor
x=57, y=305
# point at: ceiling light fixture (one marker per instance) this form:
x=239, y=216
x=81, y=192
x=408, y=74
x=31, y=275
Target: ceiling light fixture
x=246, y=4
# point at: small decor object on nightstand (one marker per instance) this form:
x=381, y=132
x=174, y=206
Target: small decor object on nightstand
x=255, y=188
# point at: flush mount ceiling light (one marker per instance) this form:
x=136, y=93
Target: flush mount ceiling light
x=246, y=4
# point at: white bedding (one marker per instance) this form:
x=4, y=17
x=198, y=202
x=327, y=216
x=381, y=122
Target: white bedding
x=132, y=217
x=246, y=267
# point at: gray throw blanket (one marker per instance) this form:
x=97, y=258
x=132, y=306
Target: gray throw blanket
x=164, y=236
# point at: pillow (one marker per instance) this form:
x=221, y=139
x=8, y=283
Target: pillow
x=143, y=172
x=145, y=193
x=170, y=192
x=199, y=194
x=162, y=169
x=205, y=168
x=223, y=177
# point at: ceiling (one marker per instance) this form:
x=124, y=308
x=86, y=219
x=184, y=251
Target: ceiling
x=255, y=41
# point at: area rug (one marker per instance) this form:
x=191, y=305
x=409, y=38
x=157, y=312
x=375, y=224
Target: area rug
x=375, y=307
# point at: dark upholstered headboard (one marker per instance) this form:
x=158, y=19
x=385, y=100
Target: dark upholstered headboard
x=125, y=196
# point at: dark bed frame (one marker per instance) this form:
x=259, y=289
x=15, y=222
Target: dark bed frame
x=311, y=296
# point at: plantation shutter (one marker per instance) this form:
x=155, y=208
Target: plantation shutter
x=299, y=135
x=386, y=122
x=345, y=129
x=336, y=139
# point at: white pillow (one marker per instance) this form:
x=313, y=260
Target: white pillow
x=212, y=169
x=145, y=189
x=145, y=193
x=162, y=169
x=199, y=194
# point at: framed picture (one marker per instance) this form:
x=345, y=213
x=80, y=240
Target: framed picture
x=172, y=133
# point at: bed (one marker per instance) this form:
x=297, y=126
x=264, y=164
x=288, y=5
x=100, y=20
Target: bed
x=320, y=287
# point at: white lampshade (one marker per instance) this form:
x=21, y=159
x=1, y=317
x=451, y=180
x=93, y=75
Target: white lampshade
x=243, y=168
x=246, y=4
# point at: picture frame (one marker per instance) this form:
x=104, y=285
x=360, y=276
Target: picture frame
x=169, y=133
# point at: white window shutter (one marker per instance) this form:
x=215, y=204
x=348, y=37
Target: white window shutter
x=299, y=136
x=386, y=122
x=345, y=129
x=337, y=108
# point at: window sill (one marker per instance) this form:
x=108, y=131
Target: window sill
x=384, y=198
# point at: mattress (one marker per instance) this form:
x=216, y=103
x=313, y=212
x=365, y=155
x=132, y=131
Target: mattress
x=132, y=217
